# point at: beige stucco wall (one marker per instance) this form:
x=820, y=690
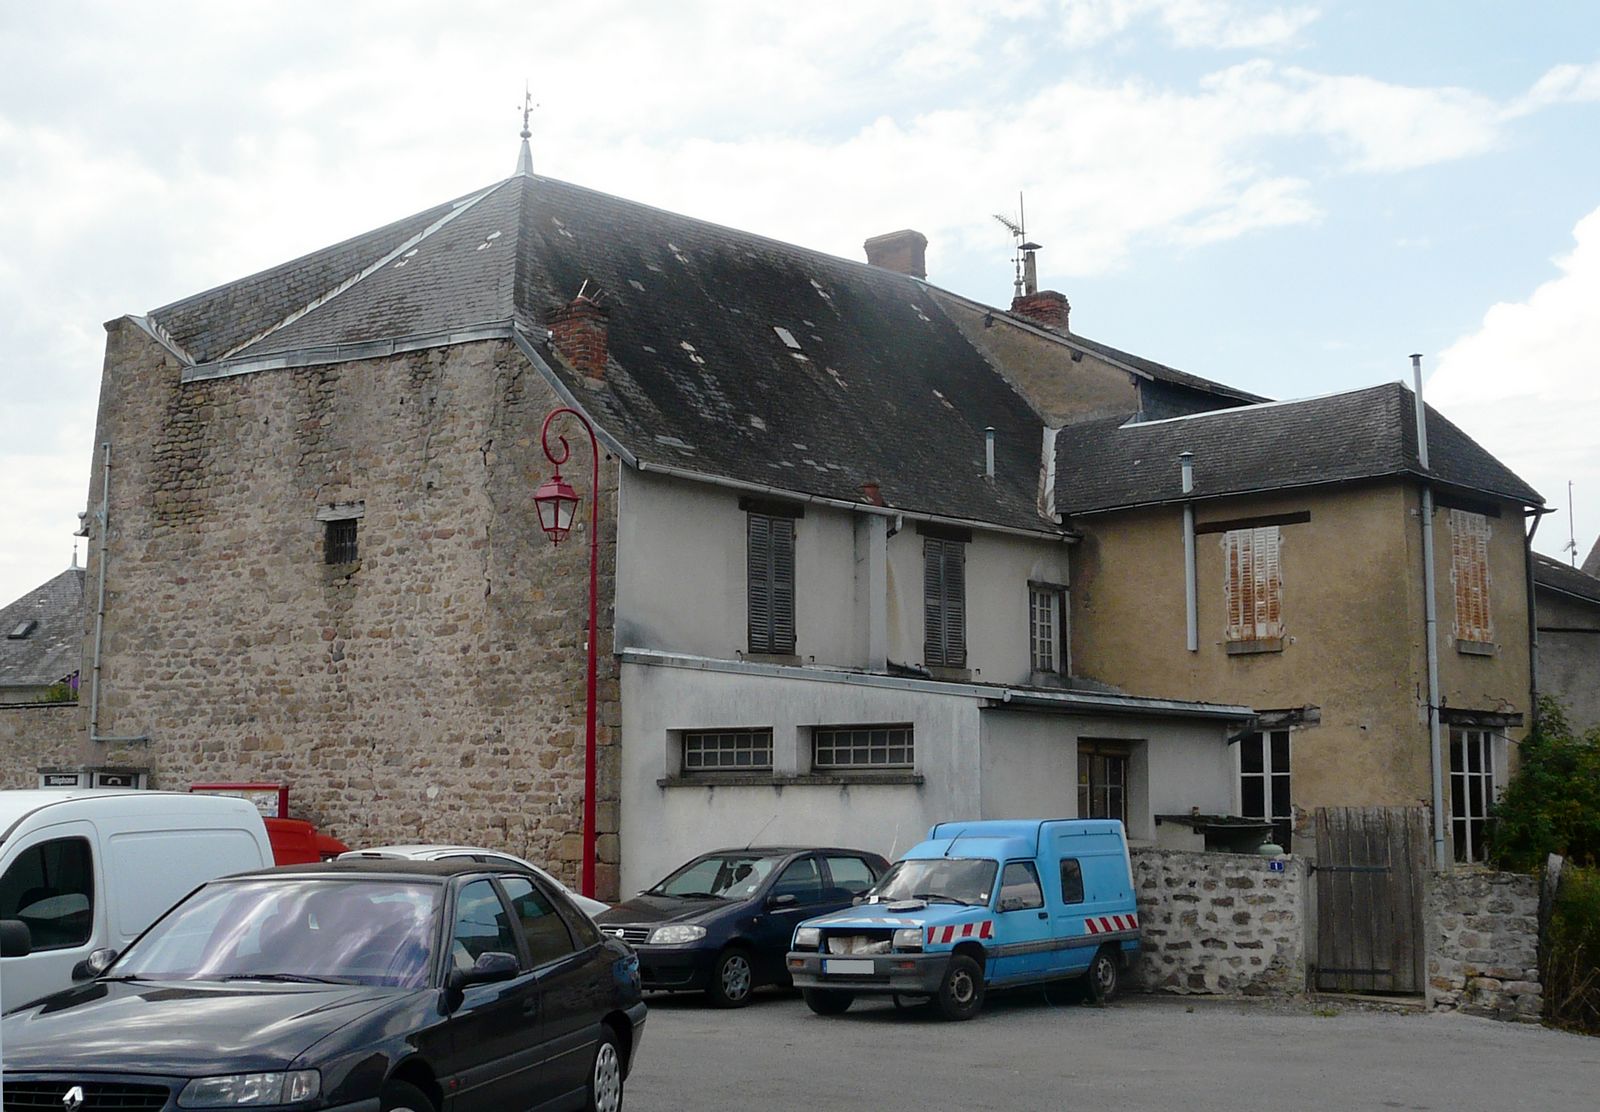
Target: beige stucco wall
x=682, y=583
x=1044, y=371
x=432, y=692
x=1353, y=636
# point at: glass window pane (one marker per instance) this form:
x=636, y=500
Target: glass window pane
x=547, y=936
x=851, y=875
x=801, y=880
x=1019, y=887
x=50, y=887
x=481, y=926
x=1071, y=881
x=1252, y=797
x=1280, y=796
x=1280, y=751
x=1250, y=755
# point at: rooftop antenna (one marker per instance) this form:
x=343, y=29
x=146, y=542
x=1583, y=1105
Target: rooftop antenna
x=74, y=556
x=1026, y=279
x=1572, y=534
x=525, y=156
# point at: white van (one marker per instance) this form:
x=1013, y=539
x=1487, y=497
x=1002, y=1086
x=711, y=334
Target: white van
x=89, y=869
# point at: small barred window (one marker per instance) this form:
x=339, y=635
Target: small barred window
x=339, y=541
x=727, y=750
x=835, y=747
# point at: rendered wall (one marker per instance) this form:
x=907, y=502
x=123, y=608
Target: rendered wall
x=1569, y=656
x=434, y=690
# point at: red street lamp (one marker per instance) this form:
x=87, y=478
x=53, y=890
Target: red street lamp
x=557, y=504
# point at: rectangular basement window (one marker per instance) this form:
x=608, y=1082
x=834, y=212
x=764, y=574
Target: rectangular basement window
x=727, y=750
x=339, y=541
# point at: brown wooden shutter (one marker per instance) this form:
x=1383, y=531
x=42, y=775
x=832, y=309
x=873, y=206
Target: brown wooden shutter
x=1252, y=584
x=1469, y=573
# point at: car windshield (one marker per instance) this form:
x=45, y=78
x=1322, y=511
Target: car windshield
x=725, y=876
x=292, y=929
x=964, y=880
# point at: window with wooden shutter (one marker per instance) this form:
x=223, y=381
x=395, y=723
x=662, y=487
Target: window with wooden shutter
x=1252, y=585
x=771, y=579
x=944, y=596
x=1469, y=573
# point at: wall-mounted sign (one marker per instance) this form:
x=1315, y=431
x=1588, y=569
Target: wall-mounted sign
x=63, y=779
x=272, y=800
x=118, y=778
x=1275, y=866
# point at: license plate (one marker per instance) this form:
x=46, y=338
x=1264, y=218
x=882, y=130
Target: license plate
x=847, y=965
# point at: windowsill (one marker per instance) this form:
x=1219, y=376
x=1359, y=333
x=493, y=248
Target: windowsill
x=1247, y=648
x=894, y=777
x=1477, y=648
x=773, y=658
x=958, y=675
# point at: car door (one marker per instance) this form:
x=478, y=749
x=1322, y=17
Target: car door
x=50, y=882
x=1071, y=935
x=495, y=1030
x=1022, y=925
x=795, y=894
x=572, y=987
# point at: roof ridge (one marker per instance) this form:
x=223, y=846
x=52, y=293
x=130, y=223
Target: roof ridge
x=1256, y=407
x=327, y=296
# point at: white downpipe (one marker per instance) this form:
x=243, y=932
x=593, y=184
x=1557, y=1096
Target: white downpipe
x=1191, y=605
x=103, y=521
x=1430, y=623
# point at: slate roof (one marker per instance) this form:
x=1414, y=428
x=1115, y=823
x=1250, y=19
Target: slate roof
x=1562, y=577
x=1163, y=373
x=51, y=651
x=888, y=389
x=1361, y=434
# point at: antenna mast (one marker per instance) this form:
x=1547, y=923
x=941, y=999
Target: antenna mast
x=1572, y=533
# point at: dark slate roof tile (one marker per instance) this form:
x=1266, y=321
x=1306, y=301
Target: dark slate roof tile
x=50, y=652
x=1562, y=577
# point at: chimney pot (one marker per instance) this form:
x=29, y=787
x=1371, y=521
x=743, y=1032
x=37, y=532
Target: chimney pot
x=872, y=492
x=1047, y=307
x=905, y=251
x=578, y=334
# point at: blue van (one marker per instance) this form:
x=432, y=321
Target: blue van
x=980, y=905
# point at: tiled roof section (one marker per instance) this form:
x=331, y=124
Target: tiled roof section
x=1163, y=373
x=208, y=325
x=1361, y=434
x=880, y=387
x=51, y=650
x=1561, y=577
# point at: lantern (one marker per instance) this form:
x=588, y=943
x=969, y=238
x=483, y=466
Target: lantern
x=557, y=503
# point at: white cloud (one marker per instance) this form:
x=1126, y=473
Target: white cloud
x=1526, y=385
x=1191, y=24
x=1566, y=84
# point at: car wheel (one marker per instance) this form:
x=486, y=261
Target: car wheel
x=732, y=979
x=1103, y=976
x=961, y=991
x=827, y=1001
x=399, y=1096
x=605, y=1079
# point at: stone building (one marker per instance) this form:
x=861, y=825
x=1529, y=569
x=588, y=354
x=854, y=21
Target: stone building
x=844, y=586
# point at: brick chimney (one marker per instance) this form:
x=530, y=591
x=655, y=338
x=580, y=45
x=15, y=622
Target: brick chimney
x=1046, y=307
x=578, y=333
x=905, y=251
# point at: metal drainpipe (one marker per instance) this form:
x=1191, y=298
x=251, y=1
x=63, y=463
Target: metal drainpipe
x=100, y=603
x=1191, y=606
x=1533, y=623
x=1430, y=623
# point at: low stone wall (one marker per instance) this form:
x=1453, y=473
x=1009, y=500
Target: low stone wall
x=1220, y=923
x=1483, y=944
x=35, y=736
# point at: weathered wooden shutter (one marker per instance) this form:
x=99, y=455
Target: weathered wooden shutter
x=1469, y=573
x=1252, y=584
x=771, y=584
x=944, y=596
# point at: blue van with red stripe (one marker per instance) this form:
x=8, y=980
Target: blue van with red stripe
x=978, y=905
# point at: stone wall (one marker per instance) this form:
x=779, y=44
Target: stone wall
x=1483, y=943
x=1220, y=923
x=35, y=736
x=433, y=689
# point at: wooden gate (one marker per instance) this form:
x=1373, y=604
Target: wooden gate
x=1370, y=867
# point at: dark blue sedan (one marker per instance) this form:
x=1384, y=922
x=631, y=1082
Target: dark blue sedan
x=366, y=985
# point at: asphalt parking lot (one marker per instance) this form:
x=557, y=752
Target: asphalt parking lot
x=1138, y=1054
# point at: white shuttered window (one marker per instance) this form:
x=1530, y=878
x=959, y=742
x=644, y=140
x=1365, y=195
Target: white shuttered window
x=1252, y=584
x=1469, y=574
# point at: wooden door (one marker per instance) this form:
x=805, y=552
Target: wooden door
x=1370, y=868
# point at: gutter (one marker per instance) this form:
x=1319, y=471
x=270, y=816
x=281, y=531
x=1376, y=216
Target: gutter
x=1430, y=623
x=1533, y=619
x=103, y=517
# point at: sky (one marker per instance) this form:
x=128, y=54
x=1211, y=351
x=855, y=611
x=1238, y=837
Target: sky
x=1289, y=198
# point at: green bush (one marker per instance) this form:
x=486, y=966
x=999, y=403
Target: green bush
x=1571, y=958
x=1552, y=804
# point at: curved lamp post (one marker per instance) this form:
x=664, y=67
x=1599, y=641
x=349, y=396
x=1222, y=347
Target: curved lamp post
x=557, y=504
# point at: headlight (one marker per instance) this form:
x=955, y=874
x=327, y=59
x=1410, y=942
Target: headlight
x=676, y=935
x=808, y=938
x=908, y=938
x=245, y=1089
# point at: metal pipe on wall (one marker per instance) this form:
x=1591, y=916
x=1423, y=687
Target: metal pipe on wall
x=1191, y=603
x=1430, y=622
x=103, y=519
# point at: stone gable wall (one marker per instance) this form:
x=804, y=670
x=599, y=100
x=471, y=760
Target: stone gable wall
x=35, y=736
x=1220, y=923
x=1483, y=944
x=433, y=690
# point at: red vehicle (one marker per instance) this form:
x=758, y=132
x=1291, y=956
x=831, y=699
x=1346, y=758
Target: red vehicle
x=294, y=841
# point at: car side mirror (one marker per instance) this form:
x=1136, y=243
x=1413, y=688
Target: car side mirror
x=95, y=964
x=783, y=899
x=16, y=940
x=492, y=966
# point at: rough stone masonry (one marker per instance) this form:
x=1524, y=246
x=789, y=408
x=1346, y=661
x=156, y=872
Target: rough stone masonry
x=1483, y=944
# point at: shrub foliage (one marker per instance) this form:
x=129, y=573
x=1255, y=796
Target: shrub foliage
x=1552, y=804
